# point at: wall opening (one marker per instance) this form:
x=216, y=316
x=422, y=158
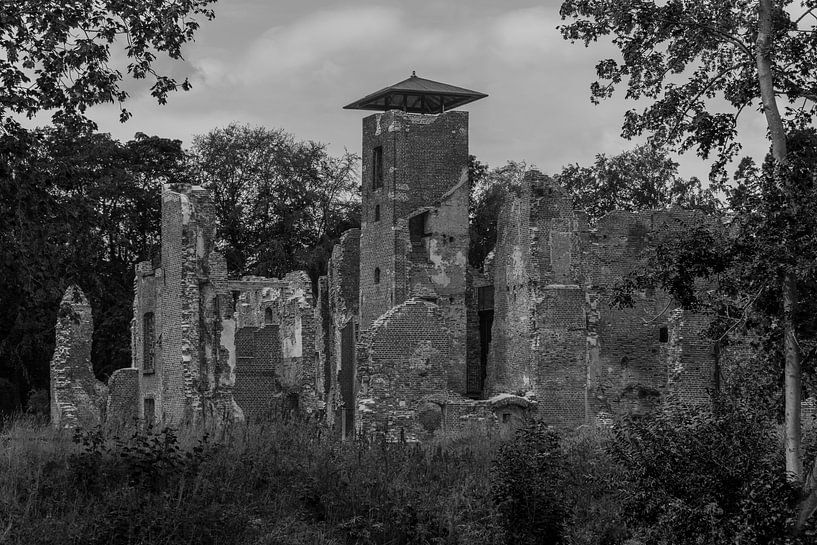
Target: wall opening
x=150, y=410
x=268, y=315
x=663, y=334
x=485, y=311
x=377, y=275
x=377, y=167
x=148, y=343
x=347, y=380
x=419, y=233
x=377, y=212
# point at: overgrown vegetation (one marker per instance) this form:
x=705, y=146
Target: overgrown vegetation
x=680, y=476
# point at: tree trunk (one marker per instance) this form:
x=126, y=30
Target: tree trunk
x=793, y=381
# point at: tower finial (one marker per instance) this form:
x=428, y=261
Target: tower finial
x=413, y=74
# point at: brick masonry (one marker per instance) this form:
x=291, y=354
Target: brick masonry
x=556, y=338
x=123, y=399
x=395, y=341
x=77, y=397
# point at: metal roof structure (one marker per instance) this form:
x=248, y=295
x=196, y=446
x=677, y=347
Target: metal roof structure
x=417, y=95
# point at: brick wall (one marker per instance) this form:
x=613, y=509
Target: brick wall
x=401, y=367
x=77, y=397
x=556, y=337
x=124, y=399
x=425, y=160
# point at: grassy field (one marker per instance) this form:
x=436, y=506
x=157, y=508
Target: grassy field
x=289, y=483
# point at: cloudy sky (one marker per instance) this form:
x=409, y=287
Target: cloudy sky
x=293, y=64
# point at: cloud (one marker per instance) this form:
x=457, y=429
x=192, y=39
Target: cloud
x=308, y=43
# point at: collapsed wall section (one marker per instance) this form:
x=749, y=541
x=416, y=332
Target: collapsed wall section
x=555, y=334
x=401, y=364
x=77, y=397
x=275, y=325
x=343, y=285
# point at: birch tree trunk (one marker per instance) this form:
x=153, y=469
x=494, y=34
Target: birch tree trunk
x=793, y=384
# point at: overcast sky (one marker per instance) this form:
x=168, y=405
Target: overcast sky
x=293, y=64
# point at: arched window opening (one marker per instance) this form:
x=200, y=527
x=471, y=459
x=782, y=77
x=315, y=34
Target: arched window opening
x=268, y=315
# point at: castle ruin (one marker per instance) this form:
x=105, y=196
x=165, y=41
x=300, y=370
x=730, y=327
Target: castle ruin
x=402, y=337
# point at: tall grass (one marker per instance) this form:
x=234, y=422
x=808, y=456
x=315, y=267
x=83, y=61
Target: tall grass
x=271, y=483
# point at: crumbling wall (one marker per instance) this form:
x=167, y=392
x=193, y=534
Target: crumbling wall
x=401, y=367
x=642, y=353
x=555, y=335
x=194, y=371
x=146, y=333
x=344, y=294
x=424, y=165
x=275, y=338
x=77, y=397
x=123, y=399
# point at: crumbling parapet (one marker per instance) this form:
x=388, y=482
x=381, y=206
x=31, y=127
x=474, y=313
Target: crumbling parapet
x=77, y=397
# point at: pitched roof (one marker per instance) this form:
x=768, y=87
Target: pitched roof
x=417, y=95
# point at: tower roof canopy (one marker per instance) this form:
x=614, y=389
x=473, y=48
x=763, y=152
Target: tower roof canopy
x=417, y=95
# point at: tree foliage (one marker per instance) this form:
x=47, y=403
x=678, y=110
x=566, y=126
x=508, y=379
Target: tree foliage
x=643, y=178
x=76, y=208
x=280, y=203
x=58, y=55
x=687, y=59
x=488, y=187
x=695, y=476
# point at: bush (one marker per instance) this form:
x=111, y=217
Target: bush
x=699, y=476
x=527, y=485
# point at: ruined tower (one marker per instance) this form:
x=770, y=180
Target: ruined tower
x=414, y=225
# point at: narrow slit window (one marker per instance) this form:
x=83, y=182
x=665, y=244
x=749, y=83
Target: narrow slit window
x=377, y=275
x=149, y=343
x=377, y=167
x=268, y=315
x=377, y=212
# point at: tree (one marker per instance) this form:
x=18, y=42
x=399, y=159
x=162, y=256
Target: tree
x=692, y=477
x=75, y=208
x=58, y=54
x=487, y=192
x=280, y=204
x=685, y=56
x=643, y=178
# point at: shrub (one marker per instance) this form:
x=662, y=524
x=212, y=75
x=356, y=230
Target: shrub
x=694, y=475
x=527, y=486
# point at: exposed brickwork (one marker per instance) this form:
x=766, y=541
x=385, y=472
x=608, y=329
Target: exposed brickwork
x=287, y=363
x=123, y=399
x=259, y=361
x=77, y=397
x=425, y=165
x=343, y=284
x=401, y=365
x=556, y=337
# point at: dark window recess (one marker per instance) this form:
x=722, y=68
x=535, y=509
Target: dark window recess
x=476, y=377
x=377, y=167
x=377, y=275
x=418, y=234
x=150, y=410
x=268, y=315
x=346, y=379
x=663, y=334
x=377, y=212
x=149, y=343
